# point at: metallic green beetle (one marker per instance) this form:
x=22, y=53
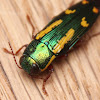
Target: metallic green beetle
x=59, y=36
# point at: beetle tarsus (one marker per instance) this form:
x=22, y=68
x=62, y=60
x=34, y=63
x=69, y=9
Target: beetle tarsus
x=6, y=51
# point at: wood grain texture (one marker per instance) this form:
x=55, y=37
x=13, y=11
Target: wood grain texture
x=77, y=77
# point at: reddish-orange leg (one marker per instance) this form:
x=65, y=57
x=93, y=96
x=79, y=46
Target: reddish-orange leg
x=33, y=28
x=45, y=80
x=15, y=54
x=12, y=53
x=29, y=20
x=7, y=51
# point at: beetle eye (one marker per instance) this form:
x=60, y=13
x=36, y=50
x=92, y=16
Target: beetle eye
x=21, y=59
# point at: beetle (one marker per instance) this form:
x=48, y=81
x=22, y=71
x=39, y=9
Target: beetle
x=58, y=37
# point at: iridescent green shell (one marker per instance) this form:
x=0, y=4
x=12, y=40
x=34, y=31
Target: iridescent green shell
x=60, y=35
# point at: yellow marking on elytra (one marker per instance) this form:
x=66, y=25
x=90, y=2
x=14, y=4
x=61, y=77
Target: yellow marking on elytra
x=84, y=22
x=95, y=10
x=52, y=58
x=42, y=45
x=31, y=61
x=63, y=41
x=49, y=28
x=68, y=11
x=85, y=2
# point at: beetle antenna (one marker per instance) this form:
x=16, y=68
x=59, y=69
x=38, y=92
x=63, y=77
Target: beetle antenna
x=14, y=55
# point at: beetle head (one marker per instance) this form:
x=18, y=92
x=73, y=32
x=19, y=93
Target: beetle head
x=29, y=65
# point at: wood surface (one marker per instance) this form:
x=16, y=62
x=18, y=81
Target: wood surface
x=77, y=77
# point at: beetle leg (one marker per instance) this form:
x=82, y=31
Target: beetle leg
x=33, y=28
x=7, y=51
x=45, y=80
x=12, y=53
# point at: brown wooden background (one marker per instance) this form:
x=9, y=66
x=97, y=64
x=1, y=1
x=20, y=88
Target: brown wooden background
x=77, y=77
